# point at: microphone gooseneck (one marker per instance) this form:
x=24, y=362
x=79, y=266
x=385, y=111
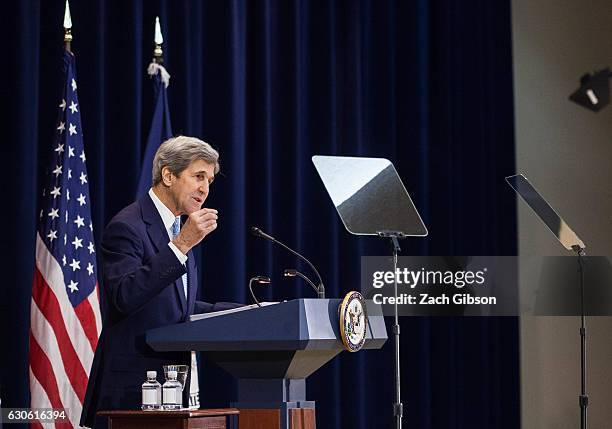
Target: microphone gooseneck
x=259, y=233
x=292, y=272
x=260, y=280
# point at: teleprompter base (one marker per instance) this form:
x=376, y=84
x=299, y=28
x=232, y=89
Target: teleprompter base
x=274, y=404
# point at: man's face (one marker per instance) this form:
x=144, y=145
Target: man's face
x=190, y=189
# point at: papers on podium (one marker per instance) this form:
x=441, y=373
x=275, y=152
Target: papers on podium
x=201, y=316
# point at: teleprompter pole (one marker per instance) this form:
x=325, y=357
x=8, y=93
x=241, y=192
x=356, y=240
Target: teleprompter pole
x=398, y=407
x=583, y=399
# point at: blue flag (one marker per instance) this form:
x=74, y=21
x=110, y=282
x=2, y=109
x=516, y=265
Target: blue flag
x=160, y=130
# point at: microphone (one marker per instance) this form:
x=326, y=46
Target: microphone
x=259, y=233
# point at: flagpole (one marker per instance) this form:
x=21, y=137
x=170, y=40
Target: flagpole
x=158, y=53
x=67, y=28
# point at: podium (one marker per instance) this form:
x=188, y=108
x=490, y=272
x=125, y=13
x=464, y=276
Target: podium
x=271, y=350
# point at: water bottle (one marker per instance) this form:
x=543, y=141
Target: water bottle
x=151, y=392
x=173, y=392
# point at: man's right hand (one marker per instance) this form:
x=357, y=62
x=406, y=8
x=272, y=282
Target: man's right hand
x=198, y=225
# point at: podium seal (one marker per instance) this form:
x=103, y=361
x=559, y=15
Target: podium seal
x=353, y=321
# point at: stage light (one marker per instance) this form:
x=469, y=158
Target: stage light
x=594, y=91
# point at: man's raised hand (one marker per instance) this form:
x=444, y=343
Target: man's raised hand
x=198, y=225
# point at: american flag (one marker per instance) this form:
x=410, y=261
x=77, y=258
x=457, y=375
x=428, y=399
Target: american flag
x=65, y=311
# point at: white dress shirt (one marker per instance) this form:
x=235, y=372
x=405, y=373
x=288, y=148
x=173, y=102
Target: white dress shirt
x=168, y=219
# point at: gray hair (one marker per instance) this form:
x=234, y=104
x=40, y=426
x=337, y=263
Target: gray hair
x=177, y=153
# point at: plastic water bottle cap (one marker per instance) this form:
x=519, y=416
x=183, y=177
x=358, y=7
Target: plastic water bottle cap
x=171, y=374
x=151, y=374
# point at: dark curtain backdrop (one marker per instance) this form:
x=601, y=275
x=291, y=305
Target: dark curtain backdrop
x=271, y=83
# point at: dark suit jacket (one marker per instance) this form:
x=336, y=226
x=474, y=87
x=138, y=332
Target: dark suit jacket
x=143, y=290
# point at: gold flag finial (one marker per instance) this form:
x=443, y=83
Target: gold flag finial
x=157, y=50
x=67, y=27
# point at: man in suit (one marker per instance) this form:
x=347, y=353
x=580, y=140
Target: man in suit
x=149, y=272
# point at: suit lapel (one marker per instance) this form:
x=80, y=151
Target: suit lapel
x=159, y=237
x=192, y=276
x=155, y=227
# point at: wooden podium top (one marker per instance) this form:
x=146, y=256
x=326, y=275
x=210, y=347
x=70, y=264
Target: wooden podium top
x=170, y=414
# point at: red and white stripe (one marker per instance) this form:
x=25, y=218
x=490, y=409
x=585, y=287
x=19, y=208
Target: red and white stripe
x=63, y=339
x=37, y=391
